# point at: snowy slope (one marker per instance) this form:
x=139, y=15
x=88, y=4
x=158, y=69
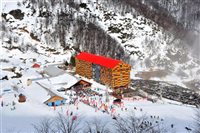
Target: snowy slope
x=147, y=45
x=33, y=110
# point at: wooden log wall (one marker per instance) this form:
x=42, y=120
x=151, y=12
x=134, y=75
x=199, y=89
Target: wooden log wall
x=116, y=76
x=105, y=76
x=125, y=72
x=84, y=68
x=121, y=75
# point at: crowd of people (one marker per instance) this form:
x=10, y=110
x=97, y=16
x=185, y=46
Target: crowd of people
x=97, y=101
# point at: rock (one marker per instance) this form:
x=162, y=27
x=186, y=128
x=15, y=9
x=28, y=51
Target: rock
x=17, y=14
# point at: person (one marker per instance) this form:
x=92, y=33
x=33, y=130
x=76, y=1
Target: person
x=188, y=129
x=113, y=111
x=67, y=112
x=13, y=103
x=74, y=118
x=1, y=103
x=114, y=118
x=71, y=113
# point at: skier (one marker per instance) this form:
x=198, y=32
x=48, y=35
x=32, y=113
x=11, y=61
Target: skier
x=71, y=113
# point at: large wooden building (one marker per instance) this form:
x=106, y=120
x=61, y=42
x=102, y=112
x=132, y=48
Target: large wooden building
x=111, y=72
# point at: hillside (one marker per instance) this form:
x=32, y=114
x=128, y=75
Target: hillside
x=158, y=38
x=91, y=26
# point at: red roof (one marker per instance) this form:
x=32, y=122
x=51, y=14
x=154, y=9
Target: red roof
x=36, y=65
x=100, y=60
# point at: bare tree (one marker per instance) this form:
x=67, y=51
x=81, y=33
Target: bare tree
x=68, y=124
x=45, y=126
x=133, y=124
x=97, y=126
x=59, y=124
x=197, y=121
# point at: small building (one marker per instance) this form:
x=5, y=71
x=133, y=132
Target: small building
x=22, y=98
x=83, y=84
x=111, y=72
x=36, y=65
x=53, y=71
x=55, y=101
x=29, y=82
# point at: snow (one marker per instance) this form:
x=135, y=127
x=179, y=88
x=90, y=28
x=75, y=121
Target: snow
x=33, y=110
x=174, y=79
x=55, y=83
x=181, y=116
x=7, y=5
x=53, y=71
x=66, y=78
x=150, y=39
x=37, y=93
x=22, y=118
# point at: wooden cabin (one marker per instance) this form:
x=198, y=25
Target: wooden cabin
x=84, y=84
x=55, y=101
x=111, y=72
x=22, y=98
x=81, y=85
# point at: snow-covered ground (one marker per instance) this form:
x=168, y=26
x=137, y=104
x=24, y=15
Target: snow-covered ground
x=135, y=34
x=33, y=110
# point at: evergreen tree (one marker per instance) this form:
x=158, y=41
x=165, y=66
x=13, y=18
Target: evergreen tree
x=72, y=60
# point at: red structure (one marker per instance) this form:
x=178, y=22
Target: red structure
x=36, y=65
x=108, y=71
x=99, y=60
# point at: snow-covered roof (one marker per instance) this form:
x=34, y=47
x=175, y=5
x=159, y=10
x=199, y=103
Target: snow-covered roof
x=37, y=93
x=65, y=80
x=53, y=71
